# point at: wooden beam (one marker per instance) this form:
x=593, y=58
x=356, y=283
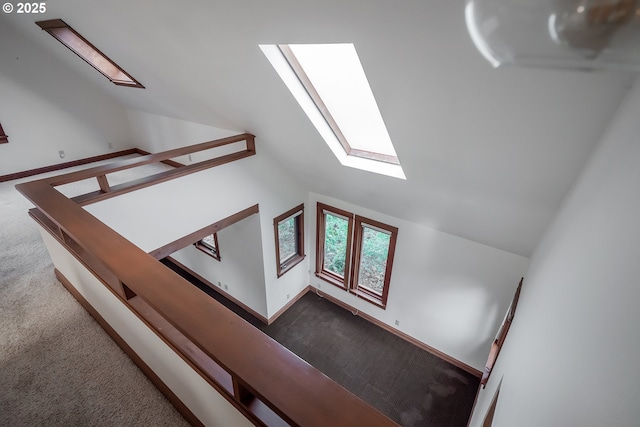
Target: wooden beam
x=166, y=162
x=191, y=238
x=148, y=181
x=60, y=166
x=150, y=158
x=103, y=183
x=282, y=383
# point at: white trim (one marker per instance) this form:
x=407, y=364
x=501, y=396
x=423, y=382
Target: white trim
x=298, y=213
x=373, y=227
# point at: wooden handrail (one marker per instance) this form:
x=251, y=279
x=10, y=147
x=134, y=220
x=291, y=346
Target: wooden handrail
x=259, y=366
x=150, y=158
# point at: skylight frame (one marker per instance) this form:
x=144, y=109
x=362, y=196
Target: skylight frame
x=76, y=42
x=291, y=58
x=298, y=83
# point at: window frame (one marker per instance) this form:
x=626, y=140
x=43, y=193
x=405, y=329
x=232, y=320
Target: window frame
x=355, y=231
x=4, y=138
x=362, y=291
x=321, y=272
x=300, y=72
x=498, y=342
x=207, y=249
x=283, y=266
x=75, y=42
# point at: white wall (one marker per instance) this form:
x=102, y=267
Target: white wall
x=446, y=291
x=155, y=133
x=163, y=213
x=240, y=271
x=46, y=106
x=571, y=357
x=197, y=394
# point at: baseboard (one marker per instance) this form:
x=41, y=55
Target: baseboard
x=220, y=291
x=401, y=334
x=60, y=166
x=170, y=395
x=289, y=304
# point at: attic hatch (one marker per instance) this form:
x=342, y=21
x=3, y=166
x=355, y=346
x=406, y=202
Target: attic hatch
x=85, y=50
x=330, y=85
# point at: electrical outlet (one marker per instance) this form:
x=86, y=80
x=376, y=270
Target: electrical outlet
x=61, y=153
x=219, y=284
x=110, y=145
x=189, y=157
x=397, y=323
x=226, y=288
x=319, y=285
x=287, y=296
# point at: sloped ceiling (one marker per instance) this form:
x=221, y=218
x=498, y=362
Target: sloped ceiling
x=488, y=154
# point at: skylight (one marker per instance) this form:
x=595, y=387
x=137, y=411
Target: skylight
x=330, y=85
x=85, y=50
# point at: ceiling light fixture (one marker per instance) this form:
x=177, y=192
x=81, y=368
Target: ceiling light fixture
x=575, y=34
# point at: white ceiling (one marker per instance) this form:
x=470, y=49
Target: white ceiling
x=488, y=154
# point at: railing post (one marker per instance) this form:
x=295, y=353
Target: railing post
x=103, y=183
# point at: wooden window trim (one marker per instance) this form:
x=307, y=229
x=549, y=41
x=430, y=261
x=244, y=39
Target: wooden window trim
x=352, y=258
x=192, y=238
x=286, y=265
x=69, y=37
x=204, y=247
x=326, y=275
x=488, y=419
x=497, y=344
x=313, y=94
x=317, y=100
x=4, y=138
x=355, y=288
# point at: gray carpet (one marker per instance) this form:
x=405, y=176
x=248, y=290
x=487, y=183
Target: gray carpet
x=408, y=384
x=404, y=382
x=57, y=366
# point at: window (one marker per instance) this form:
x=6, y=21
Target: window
x=355, y=253
x=330, y=84
x=85, y=50
x=373, y=249
x=333, y=255
x=289, y=234
x=209, y=245
x=4, y=138
x=496, y=346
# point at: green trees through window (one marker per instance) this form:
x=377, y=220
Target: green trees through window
x=289, y=236
x=335, y=243
x=287, y=239
x=356, y=257
x=373, y=259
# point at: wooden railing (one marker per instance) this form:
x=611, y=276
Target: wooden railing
x=266, y=382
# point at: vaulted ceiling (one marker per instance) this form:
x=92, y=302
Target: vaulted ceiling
x=488, y=153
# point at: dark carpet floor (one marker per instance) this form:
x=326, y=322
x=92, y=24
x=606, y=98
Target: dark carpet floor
x=408, y=384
